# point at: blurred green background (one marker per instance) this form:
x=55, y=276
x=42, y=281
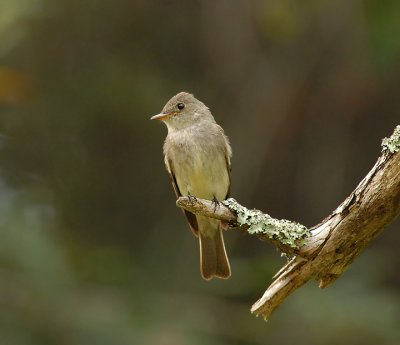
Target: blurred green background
x=92, y=247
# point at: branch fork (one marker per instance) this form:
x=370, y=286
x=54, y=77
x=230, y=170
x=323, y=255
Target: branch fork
x=325, y=251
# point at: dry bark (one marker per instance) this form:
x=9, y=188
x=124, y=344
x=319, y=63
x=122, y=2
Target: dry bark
x=337, y=240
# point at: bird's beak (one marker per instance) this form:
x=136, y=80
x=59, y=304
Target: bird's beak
x=160, y=117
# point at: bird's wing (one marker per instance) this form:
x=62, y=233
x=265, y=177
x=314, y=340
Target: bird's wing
x=229, y=169
x=189, y=215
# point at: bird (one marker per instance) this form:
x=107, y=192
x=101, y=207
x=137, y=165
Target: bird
x=197, y=155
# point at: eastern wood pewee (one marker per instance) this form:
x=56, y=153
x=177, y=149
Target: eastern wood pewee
x=197, y=156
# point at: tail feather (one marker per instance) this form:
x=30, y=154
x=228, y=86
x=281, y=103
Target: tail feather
x=213, y=259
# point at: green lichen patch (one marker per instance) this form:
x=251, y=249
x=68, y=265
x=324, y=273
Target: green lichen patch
x=285, y=231
x=393, y=143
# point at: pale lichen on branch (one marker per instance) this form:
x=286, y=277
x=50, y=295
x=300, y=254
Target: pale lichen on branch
x=288, y=233
x=393, y=142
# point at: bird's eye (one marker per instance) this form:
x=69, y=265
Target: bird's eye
x=180, y=106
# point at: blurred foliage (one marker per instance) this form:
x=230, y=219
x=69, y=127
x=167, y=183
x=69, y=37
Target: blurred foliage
x=93, y=249
x=383, y=29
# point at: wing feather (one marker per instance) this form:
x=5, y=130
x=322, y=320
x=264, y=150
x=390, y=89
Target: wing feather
x=191, y=218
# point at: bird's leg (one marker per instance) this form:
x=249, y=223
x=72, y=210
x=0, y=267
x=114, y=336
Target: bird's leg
x=192, y=198
x=215, y=203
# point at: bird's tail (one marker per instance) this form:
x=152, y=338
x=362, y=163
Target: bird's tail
x=213, y=259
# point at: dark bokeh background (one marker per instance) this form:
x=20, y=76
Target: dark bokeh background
x=92, y=247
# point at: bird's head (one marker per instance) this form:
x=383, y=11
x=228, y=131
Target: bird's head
x=182, y=111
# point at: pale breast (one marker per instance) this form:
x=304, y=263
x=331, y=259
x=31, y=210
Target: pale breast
x=199, y=163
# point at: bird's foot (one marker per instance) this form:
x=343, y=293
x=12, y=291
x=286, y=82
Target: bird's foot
x=192, y=199
x=215, y=203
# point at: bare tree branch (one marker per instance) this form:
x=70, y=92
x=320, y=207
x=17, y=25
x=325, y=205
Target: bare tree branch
x=331, y=246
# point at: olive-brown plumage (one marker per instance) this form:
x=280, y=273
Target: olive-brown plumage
x=197, y=156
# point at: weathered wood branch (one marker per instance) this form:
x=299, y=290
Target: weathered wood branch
x=331, y=246
x=230, y=218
